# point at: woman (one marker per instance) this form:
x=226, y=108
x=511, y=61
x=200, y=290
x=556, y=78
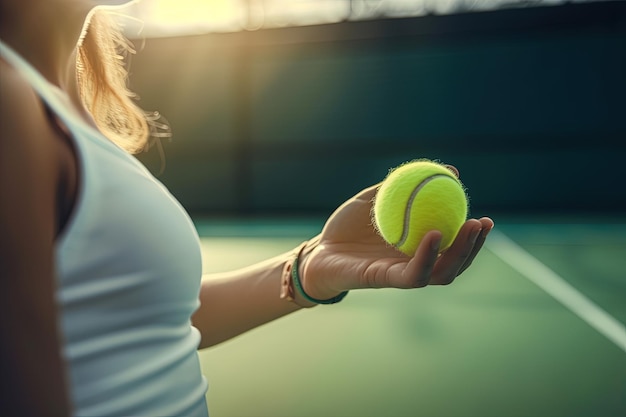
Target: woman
x=102, y=303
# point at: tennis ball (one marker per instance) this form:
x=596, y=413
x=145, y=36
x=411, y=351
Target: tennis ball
x=418, y=197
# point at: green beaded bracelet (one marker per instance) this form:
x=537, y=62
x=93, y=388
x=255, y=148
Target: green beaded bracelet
x=296, y=282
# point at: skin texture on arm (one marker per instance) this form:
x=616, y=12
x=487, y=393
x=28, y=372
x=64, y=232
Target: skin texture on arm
x=33, y=376
x=235, y=302
x=348, y=254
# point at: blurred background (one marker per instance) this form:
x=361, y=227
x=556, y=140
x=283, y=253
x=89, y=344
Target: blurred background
x=282, y=109
x=292, y=106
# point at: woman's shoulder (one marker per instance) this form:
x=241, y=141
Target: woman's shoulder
x=24, y=120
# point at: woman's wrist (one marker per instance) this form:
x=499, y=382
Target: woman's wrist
x=289, y=291
x=297, y=288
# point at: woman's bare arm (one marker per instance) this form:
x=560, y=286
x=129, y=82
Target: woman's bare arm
x=33, y=377
x=347, y=255
x=235, y=302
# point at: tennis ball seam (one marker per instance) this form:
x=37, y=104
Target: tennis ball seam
x=408, y=208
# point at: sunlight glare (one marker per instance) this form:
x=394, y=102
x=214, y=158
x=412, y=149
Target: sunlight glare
x=174, y=17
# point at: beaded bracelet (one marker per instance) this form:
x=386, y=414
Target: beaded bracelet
x=291, y=278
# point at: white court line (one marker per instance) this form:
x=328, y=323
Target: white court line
x=546, y=279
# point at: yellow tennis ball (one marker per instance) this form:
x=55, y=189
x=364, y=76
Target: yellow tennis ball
x=418, y=197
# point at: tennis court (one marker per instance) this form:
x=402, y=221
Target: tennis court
x=492, y=344
x=294, y=118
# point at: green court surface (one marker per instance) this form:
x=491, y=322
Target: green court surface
x=493, y=344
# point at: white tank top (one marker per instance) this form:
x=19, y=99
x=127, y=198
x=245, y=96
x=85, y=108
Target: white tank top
x=128, y=271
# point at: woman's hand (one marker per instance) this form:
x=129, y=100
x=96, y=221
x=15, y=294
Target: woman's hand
x=349, y=254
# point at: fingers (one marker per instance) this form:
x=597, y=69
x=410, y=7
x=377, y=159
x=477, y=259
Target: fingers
x=428, y=267
x=418, y=271
x=458, y=254
x=487, y=225
x=463, y=251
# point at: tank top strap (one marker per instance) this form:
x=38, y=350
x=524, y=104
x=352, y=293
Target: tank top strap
x=57, y=102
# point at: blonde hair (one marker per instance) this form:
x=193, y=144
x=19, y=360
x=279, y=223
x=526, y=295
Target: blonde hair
x=103, y=85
